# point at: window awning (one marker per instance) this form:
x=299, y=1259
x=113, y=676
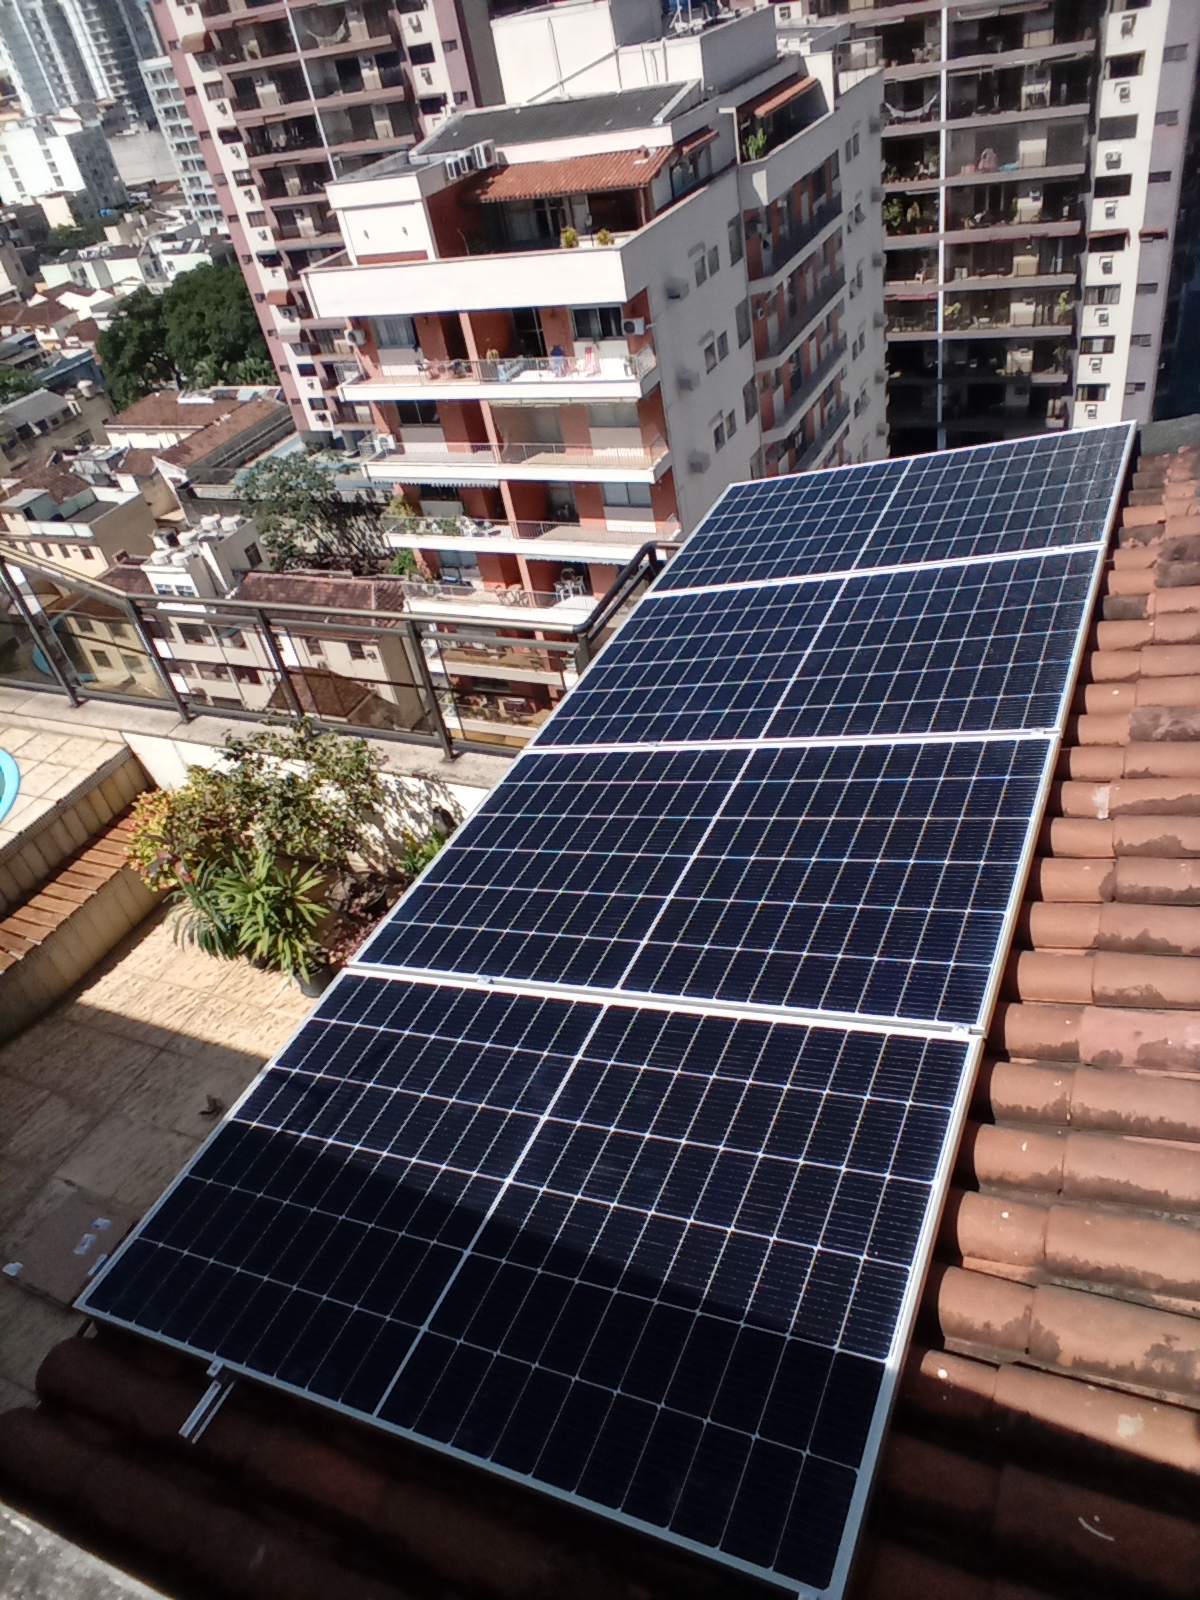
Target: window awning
x=778, y=98
x=542, y=180
x=280, y=297
x=696, y=141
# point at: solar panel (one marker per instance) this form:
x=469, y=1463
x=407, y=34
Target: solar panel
x=679, y=1293
x=1051, y=490
x=973, y=647
x=613, y=1164
x=868, y=880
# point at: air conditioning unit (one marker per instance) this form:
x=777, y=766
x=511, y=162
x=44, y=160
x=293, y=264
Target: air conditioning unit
x=1096, y=364
x=1106, y=264
x=484, y=154
x=1112, y=160
x=698, y=461
x=879, y=320
x=687, y=378
x=356, y=336
x=876, y=194
x=676, y=288
x=1110, y=209
x=1102, y=318
x=877, y=258
x=384, y=443
x=1123, y=92
x=633, y=325
x=1092, y=412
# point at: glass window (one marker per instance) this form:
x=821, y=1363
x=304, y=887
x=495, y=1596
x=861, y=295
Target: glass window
x=627, y=494
x=749, y=401
x=597, y=322
x=719, y=435
x=714, y=261
x=722, y=346
x=700, y=268
x=741, y=317
x=735, y=241
x=710, y=355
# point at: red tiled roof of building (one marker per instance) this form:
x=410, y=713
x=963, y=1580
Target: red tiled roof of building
x=536, y=180
x=167, y=408
x=225, y=426
x=341, y=593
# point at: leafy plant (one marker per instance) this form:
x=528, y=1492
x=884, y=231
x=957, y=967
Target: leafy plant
x=569, y=239
x=418, y=853
x=604, y=237
x=274, y=909
x=754, y=146
x=404, y=564
x=893, y=214
x=202, y=920
x=293, y=792
x=304, y=520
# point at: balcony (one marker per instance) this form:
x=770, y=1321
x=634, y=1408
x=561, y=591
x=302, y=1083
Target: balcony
x=789, y=331
x=776, y=256
x=515, y=378
x=833, y=425
x=801, y=396
x=385, y=459
x=617, y=540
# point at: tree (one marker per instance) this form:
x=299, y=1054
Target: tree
x=212, y=330
x=133, y=349
x=200, y=331
x=73, y=238
x=306, y=522
x=14, y=383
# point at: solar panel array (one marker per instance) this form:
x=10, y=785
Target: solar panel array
x=613, y=1164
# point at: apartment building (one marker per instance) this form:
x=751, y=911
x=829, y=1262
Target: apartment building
x=55, y=513
x=599, y=311
x=288, y=96
x=1032, y=156
x=1127, y=328
x=65, y=53
x=170, y=112
x=62, y=162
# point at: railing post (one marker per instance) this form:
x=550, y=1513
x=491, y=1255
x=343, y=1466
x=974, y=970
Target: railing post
x=151, y=649
x=439, y=722
x=272, y=644
x=48, y=645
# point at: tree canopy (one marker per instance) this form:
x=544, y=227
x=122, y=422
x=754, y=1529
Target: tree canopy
x=201, y=330
x=306, y=522
x=14, y=383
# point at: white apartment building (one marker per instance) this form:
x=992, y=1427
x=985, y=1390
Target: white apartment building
x=64, y=158
x=599, y=311
x=171, y=113
x=1150, y=58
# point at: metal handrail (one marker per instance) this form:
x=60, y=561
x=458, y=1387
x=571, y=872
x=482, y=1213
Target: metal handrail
x=801, y=235
x=442, y=450
x=789, y=331
x=511, y=369
x=832, y=423
x=800, y=397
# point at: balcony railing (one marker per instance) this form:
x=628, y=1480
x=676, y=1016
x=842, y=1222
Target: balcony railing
x=448, y=680
x=824, y=439
x=808, y=387
x=787, y=332
x=517, y=370
x=453, y=452
x=775, y=256
x=432, y=533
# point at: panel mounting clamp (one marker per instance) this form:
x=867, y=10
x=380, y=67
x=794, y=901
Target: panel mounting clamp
x=210, y=1402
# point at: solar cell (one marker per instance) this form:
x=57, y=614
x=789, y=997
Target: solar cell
x=975, y=647
x=1050, y=490
x=868, y=880
x=679, y=1297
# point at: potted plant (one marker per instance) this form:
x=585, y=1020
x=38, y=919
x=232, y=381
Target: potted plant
x=569, y=239
x=1062, y=307
x=604, y=237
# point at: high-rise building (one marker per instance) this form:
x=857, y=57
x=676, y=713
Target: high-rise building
x=63, y=159
x=289, y=97
x=170, y=112
x=43, y=57
x=65, y=53
x=599, y=311
x=1032, y=157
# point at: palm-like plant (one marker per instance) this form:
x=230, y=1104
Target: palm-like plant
x=274, y=908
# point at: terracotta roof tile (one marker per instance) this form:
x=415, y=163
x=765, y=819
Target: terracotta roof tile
x=225, y=426
x=535, y=180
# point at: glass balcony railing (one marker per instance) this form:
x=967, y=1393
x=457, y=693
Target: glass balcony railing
x=519, y=371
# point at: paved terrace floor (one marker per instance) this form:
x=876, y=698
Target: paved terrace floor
x=109, y=1093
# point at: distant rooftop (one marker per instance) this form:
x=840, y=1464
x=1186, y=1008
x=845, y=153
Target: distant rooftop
x=553, y=119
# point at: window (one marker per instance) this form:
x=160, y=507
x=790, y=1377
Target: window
x=730, y=424
x=1129, y=66
x=1092, y=391
x=416, y=413
x=315, y=647
x=1159, y=177
x=101, y=658
x=243, y=175
x=719, y=434
x=1105, y=294
x=722, y=346
x=1175, y=52
x=627, y=494
x=246, y=260
x=1113, y=188
x=710, y=355
x=700, y=268
x=714, y=261
x=1135, y=388
x=215, y=91
x=1166, y=119
x=246, y=675
x=741, y=317
x=356, y=649
x=461, y=97
x=88, y=555
x=253, y=556
x=449, y=46
x=1152, y=235
x=1106, y=243
x=1117, y=128
x=255, y=219
x=596, y=322
x=193, y=633
x=306, y=369
x=131, y=663
x=1143, y=339
x=1147, y=288
x=1097, y=346
x=394, y=332
x=749, y=401
x=422, y=55
x=735, y=241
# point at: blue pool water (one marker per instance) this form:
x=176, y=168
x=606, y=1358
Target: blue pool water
x=10, y=782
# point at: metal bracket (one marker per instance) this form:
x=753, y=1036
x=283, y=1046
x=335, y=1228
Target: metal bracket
x=209, y=1404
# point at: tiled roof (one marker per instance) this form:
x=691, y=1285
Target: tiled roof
x=57, y=481
x=231, y=418
x=165, y=408
x=1046, y=1442
x=340, y=593
x=536, y=180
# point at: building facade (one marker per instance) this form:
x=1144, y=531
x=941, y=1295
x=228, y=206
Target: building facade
x=170, y=112
x=64, y=158
x=598, y=312
x=1032, y=159
x=65, y=53
x=289, y=97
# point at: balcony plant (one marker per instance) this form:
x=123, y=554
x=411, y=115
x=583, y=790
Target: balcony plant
x=569, y=239
x=754, y=146
x=604, y=237
x=1062, y=307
